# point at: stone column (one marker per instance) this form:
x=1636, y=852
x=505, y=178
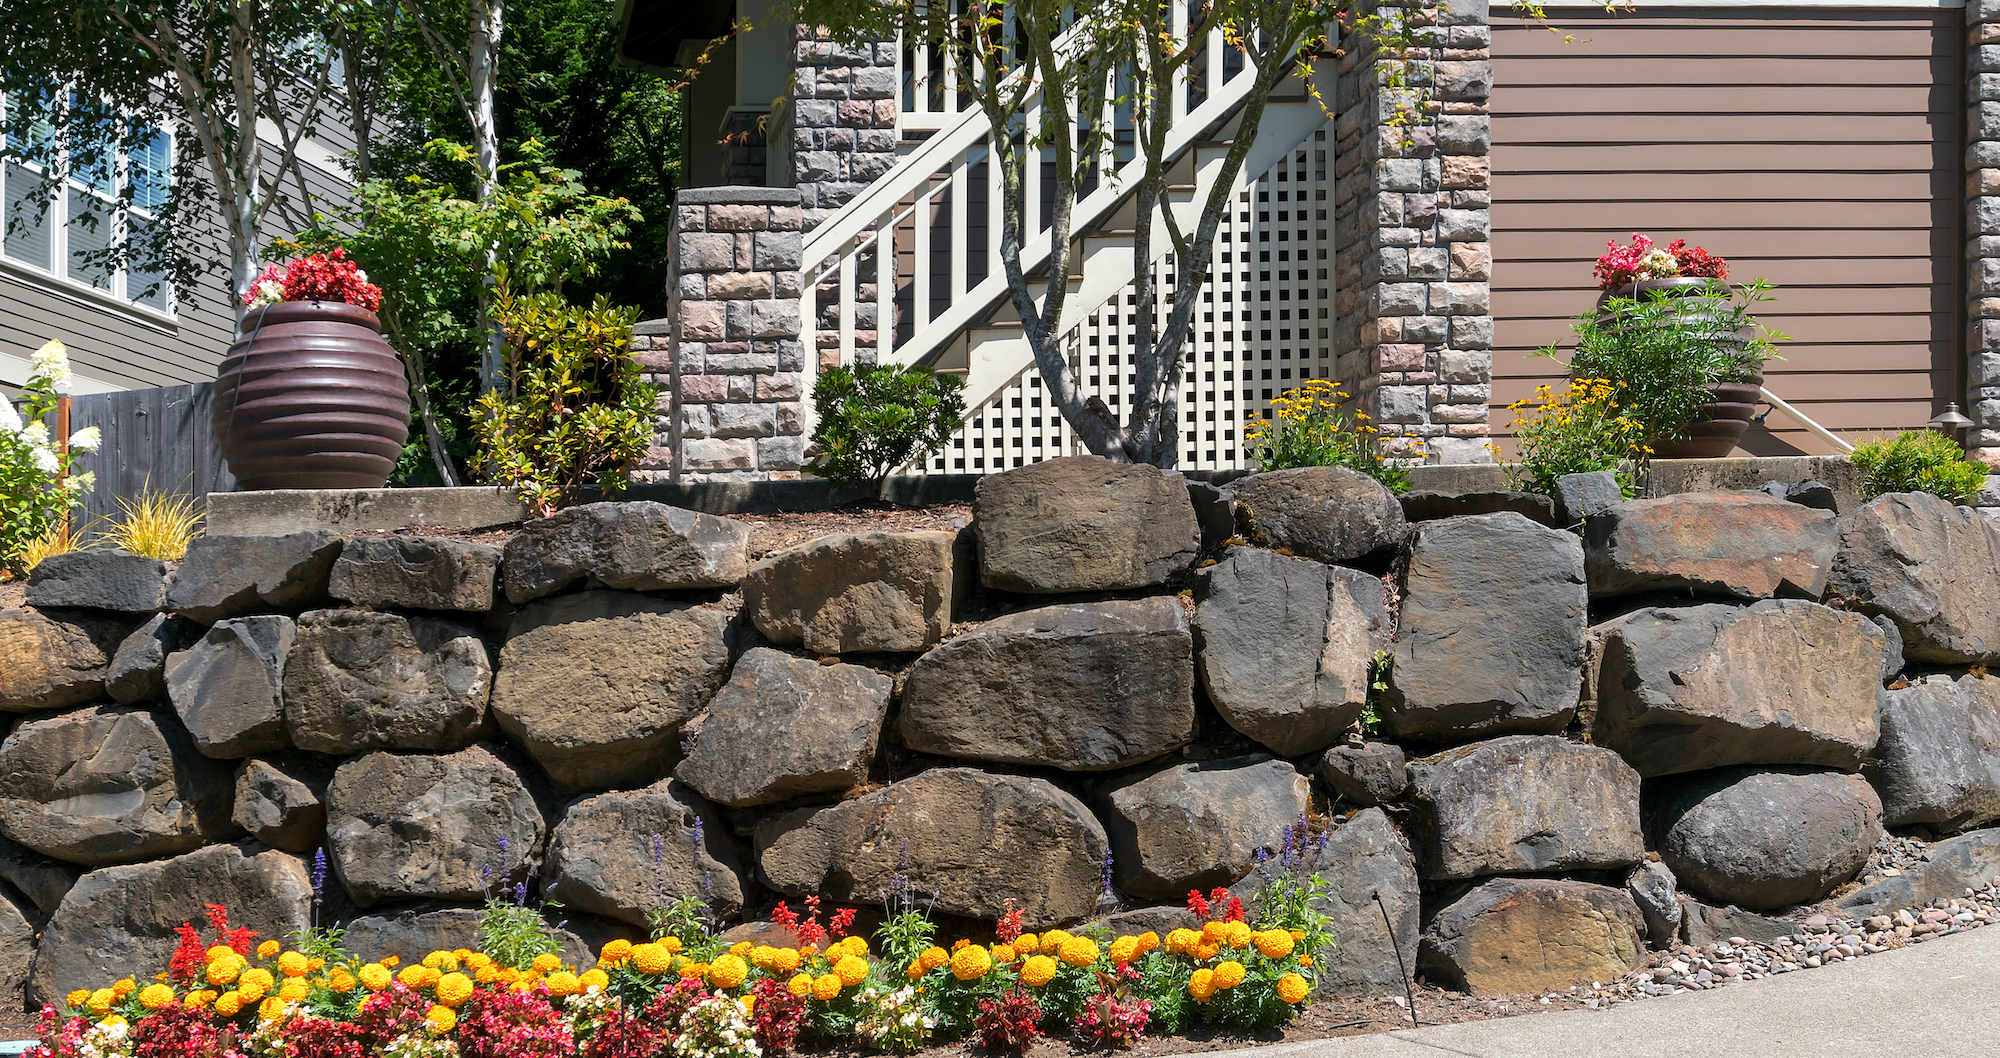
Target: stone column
x=732, y=351
x=1414, y=326
x=844, y=115
x=1982, y=230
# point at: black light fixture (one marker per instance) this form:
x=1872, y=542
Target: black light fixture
x=1950, y=420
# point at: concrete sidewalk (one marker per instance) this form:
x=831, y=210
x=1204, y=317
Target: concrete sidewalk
x=1940, y=999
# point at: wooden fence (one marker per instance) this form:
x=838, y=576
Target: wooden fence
x=155, y=439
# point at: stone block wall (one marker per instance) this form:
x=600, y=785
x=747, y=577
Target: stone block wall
x=1413, y=309
x=1982, y=229
x=844, y=117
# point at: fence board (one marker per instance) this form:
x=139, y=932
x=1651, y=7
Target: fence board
x=154, y=439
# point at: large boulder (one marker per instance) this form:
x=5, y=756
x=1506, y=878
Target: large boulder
x=1688, y=688
x=1766, y=839
x=414, y=827
x=1490, y=639
x=230, y=576
x=860, y=592
x=1743, y=544
x=110, y=784
x=1286, y=646
x=99, y=580
x=416, y=572
x=596, y=685
x=786, y=727
x=1525, y=804
x=42, y=880
x=973, y=839
x=138, y=671
x=227, y=687
x=1076, y=686
x=357, y=681
x=1931, y=567
x=624, y=854
x=55, y=660
x=1372, y=773
x=1200, y=825
x=634, y=546
x=412, y=932
x=281, y=800
x=1363, y=859
x=123, y=919
x=17, y=950
x=1968, y=861
x=1083, y=523
x=1515, y=935
x=1938, y=762
x=1327, y=514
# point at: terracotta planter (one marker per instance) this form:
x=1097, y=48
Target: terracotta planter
x=311, y=397
x=1725, y=418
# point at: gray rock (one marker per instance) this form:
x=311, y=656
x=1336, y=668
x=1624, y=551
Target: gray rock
x=1702, y=924
x=42, y=880
x=1491, y=634
x=1161, y=920
x=1430, y=506
x=55, y=660
x=974, y=839
x=1083, y=523
x=1327, y=514
x=1741, y=544
x=411, y=932
x=1932, y=568
x=1651, y=886
x=635, y=546
x=110, y=784
x=1683, y=689
x=281, y=801
x=786, y=727
x=1364, y=858
x=1524, y=935
x=1076, y=686
x=623, y=854
x=415, y=827
x=99, y=580
x=1892, y=653
x=1215, y=513
x=1525, y=804
x=227, y=688
x=124, y=917
x=1968, y=861
x=1199, y=825
x=1578, y=496
x=1368, y=774
x=1807, y=493
x=860, y=592
x=138, y=671
x=17, y=950
x=357, y=681
x=1286, y=646
x=1938, y=762
x=1766, y=839
x=596, y=685
x=416, y=572
x=230, y=576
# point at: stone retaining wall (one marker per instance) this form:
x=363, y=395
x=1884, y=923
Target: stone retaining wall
x=1111, y=687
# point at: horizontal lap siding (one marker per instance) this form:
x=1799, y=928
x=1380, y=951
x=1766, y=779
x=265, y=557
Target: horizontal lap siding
x=1819, y=150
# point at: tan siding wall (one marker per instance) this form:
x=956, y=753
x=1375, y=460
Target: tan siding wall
x=1816, y=149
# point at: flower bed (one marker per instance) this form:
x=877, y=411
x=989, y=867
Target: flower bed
x=689, y=995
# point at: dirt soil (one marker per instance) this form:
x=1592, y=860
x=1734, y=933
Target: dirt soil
x=775, y=532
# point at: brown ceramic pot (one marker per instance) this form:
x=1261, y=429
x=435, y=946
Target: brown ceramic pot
x=1723, y=420
x=311, y=397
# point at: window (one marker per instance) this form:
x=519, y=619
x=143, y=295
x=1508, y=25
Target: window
x=64, y=231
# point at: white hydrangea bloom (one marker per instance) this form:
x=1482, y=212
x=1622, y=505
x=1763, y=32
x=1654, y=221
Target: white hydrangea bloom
x=46, y=462
x=51, y=361
x=36, y=433
x=10, y=420
x=87, y=439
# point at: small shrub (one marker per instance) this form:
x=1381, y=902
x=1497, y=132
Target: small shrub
x=1582, y=430
x=156, y=525
x=1309, y=428
x=1919, y=461
x=37, y=488
x=575, y=410
x=875, y=420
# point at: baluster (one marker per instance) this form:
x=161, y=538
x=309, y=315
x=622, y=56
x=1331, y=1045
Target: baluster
x=849, y=264
x=885, y=290
x=922, y=218
x=961, y=223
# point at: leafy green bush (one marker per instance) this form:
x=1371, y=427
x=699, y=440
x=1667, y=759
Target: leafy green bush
x=574, y=410
x=1575, y=432
x=1919, y=461
x=1309, y=428
x=874, y=420
x=37, y=489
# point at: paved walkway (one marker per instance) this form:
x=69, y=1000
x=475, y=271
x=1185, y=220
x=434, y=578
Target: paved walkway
x=1940, y=999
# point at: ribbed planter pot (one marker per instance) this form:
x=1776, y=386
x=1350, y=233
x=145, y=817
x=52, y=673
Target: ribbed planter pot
x=1721, y=422
x=311, y=397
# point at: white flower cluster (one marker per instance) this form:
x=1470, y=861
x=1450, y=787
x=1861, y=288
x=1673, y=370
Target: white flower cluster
x=895, y=1021
x=266, y=292
x=716, y=1028
x=106, y=1041
x=420, y=1045
x=51, y=362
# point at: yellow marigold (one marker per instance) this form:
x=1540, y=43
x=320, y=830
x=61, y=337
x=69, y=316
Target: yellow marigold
x=547, y=963
x=375, y=977
x=1305, y=961
x=390, y=961
x=250, y=991
x=1201, y=984
x=802, y=985
x=442, y=1019
x=1027, y=942
x=671, y=944
x=1038, y=970
x=1004, y=953
x=1274, y=943
x=564, y=983
x=509, y=976
x=272, y=1009
x=748, y=1003
x=851, y=969
x=123, y=987
x=101, y=1000
x=1148, y=941
x=1182, y=941
x=762, y=956
x=1124, y=950
x=1214, y=931
x=971, y=963
x=727, y=971
x=785, y=961
x=1053, y=941
x=418, y=975
x=807, y=951
x=695, y=970
x=316, y=964
x=442, y=961
x=453, y=989
x=960, y=943
x=1292, y=988
x=934, y=957
x=268, y=949
x=826, y=987
x=218, y=951
x=111, y=1021
x=224, y=969
x=341, y=981
x=741, y=948
x=157, y=997
x=294, y=964
x=594, y=978
x=487, y=974
x=1206, y=950
x=198, y=999
x=616, y=953
x=228, y=1004
x=914, y=971
x=477, y=959
x=1237, y=934
x=651, y=958
x=1079, y=951
x=77, y=998
x=294, y=989
x=1228, y=973
x=1297, y=934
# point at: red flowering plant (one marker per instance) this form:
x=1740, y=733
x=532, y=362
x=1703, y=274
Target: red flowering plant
x=315, y=277
x=1623, y=265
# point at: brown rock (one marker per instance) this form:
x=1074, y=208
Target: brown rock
x=633, y=546
x=416, y=572
x=623, y=854
x=1931, y=567
x=1327, y=514
x=1744, y=544
x=1083, y=523
x=1532, y=935
x=55, y=660
x=862, y=592
x=1766, y=839
x=786, y=727
x=357, y=681
x=1199, y=825
x=1525, y=804
x=417, y=827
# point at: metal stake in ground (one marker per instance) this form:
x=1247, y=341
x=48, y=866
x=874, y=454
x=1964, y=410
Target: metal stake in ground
x=1409, y=991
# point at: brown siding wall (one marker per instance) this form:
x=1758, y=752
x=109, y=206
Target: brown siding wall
x=1816, y=149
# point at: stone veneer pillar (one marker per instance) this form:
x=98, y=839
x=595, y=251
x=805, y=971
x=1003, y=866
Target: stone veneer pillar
x=729, y=347
x=1414, y=326
x=1982, y=229
x=844, y=114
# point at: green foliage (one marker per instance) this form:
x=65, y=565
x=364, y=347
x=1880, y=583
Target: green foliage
x=575, y=410
x=1310, y=427
x=37, y=488
x=874, y=420
x=1380, y=665
x=903, y=937
x=1163, y=983
x=1580, y=431
x=513, y=934
x=1919, y=461
x=690, y=919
